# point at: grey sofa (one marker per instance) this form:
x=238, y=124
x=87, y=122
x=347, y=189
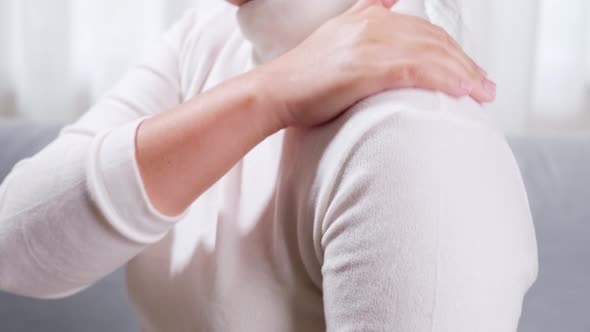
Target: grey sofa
x=557, y=177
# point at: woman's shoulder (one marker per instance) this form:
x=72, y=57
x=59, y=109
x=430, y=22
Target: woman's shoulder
x=415, y=107
x=389, y=131
x=391, y=142
x=413, y=115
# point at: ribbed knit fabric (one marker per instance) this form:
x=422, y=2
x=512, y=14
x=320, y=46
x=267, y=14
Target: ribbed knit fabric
x=408, y=213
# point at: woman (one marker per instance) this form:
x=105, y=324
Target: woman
x=407, y=213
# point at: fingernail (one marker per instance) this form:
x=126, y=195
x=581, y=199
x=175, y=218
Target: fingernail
x=490, y=88
x=466, y=88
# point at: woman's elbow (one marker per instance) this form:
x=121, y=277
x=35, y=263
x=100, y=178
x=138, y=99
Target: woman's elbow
x=26, y=266
x=23, y=288
x=23, y=274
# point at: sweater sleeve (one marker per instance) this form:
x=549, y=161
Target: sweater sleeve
x=77, y=210
x=428, y=229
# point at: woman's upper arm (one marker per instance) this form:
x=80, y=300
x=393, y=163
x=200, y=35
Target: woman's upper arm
x=428, y=229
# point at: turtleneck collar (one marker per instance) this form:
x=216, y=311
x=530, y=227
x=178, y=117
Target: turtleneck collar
x=276, y=26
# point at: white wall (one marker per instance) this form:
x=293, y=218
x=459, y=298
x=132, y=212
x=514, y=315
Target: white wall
x=41, y=57
x=560, y=90
x=501, y=35
x=538, y=52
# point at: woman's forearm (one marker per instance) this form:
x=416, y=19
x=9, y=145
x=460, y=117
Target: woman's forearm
x=182, y=152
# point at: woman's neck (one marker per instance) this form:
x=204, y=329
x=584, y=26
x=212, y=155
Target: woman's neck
x=276, y=26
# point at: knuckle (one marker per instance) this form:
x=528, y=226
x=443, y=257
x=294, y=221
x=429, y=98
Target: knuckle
x=453, y=86
x=409, y=74
x=433, y=50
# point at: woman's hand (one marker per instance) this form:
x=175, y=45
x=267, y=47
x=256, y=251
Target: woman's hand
x=364, y=51
x=368, y=49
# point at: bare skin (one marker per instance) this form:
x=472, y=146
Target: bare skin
x=184, y=151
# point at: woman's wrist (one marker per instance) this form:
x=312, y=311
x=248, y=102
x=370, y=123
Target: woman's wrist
x=263, y=102
x=273, y=98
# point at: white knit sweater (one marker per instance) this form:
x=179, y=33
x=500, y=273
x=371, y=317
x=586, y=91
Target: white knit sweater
x=408, y=213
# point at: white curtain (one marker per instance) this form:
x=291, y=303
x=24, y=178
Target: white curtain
x=57, y=57
x=539, y=53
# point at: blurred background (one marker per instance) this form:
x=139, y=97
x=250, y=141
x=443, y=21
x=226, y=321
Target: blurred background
x=57, y=57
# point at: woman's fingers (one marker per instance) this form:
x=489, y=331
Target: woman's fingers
x=438, y=73
x=437, y=46
x=438, y=78
x=424, y=40
x=479, y=86
x=451, y=45
x=418, y=27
